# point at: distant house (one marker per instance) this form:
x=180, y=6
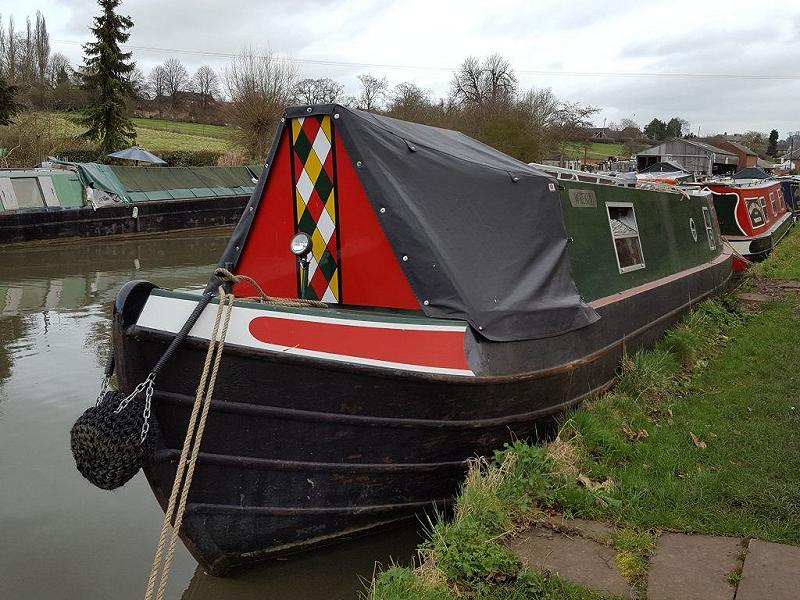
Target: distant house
x=692, y=156
x=747, y=158
x=790, y=161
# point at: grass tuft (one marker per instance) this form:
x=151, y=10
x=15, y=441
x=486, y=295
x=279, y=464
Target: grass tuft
x=633, y=555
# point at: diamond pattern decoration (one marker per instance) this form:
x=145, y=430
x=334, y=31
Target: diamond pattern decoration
x=315, y=203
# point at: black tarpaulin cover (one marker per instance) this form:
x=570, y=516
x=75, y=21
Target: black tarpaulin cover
x=480, y=236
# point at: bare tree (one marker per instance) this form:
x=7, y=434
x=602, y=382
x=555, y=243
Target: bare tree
x=373, y=91
x=259, y=86
x=206, y=83
x=409, y=102
x=628, y=124
x=176, y=78
x=59, y=70
x=139, y=83
x=484, y=84
x=41, y=43
x=157, y=81
x=12, y=49
x=318, y=91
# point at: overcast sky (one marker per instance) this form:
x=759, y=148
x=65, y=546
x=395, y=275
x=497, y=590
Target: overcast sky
x=581, y=49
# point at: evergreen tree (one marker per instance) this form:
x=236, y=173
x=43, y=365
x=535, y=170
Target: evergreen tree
x=8, y=103
x=106, y=74
x=772, y=144
x=656, y=130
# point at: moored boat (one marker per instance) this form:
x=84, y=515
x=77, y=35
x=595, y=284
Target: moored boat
x=753, y=218
x=468, y=297
x=79, y=200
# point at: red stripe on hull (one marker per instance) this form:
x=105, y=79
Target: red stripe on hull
x=439, y=349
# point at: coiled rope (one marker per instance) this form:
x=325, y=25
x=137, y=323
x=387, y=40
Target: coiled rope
x=226, y=275
x=173, y=516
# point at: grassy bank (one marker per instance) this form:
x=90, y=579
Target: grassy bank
x=700, y=434
x=158, y=135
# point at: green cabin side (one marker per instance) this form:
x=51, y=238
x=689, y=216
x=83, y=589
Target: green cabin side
x=665, y=223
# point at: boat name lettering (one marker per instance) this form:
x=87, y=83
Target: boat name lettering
x=582, y=199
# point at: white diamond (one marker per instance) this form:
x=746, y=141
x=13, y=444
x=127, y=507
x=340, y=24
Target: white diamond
x=321, y=146
x=305, y=186
x=328, y=296
x=312, y=267
x=326, y=226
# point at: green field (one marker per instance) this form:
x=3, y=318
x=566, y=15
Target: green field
x=202, y=130
x=574, y=150
x=158, y=135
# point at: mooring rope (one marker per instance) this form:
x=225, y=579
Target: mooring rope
x=226, y=275
x=191, y=448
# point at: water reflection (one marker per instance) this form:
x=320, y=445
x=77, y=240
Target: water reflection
x=71, y=540
x=333, y=573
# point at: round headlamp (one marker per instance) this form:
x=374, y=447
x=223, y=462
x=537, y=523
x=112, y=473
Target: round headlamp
x=300, y=245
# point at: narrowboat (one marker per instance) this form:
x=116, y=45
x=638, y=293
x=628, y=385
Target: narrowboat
x=463, y=298
x=753, y=218
x=76, y=200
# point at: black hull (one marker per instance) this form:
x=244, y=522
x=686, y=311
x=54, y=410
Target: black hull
x=153, y=217
x=300, y=452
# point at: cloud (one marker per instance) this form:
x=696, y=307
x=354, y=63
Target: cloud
x=423, y=36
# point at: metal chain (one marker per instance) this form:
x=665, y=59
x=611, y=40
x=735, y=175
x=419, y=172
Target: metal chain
x=148, y=396
x=147, y=387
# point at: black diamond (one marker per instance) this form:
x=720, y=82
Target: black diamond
x=307, y=224
x=323, y=185
x=328, y=265
x=302, y=146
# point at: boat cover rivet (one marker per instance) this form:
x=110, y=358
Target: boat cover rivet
x=515, y=179
x=251, y=209
x=309, y=109
x=425, y=302
x=383, y=210
x=237, y=248
x=335, y=115
x=358, y=164
x=283, y=119
x=480, y=327
x=413, y=148
x=405, y=258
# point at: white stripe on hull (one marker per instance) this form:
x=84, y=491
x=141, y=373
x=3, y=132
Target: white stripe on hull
x=162, y=313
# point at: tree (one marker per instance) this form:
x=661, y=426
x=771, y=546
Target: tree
x=8, y=103
x=756, y=141
x=138, y=83
x=259, y=86
x=206, y=83
x=157, y=82
x=409, y=102
x=41, y=46
x=656, y=130
x=176, y=78
x=628, y=124
x=106, y=69
x=373, y=91
x=318, y=91
x=674, y=127
x=484, y=83
x=772, y=143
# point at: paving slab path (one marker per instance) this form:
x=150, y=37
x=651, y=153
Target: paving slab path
x=681, y=566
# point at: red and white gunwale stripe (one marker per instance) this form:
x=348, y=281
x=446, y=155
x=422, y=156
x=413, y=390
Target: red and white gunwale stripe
x=417, y=344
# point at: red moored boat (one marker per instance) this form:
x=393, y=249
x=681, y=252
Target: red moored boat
x=752, y=218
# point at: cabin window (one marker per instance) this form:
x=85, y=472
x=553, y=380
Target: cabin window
x=625, y=234
x=27, y=191
x=712, y=242
x=772, y=204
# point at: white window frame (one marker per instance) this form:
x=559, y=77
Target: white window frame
x=712, y=240
x=772, y=204
x=613, y=237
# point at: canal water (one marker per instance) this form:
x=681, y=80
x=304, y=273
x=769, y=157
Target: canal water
x=60, y=537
